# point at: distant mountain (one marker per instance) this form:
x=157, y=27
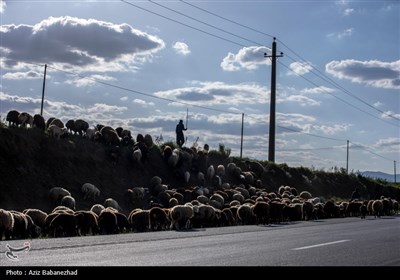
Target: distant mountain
x=381, y=175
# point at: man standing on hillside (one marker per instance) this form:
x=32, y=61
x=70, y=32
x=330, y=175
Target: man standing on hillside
x=180, y=138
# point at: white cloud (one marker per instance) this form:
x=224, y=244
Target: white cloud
x=78, y=44
x=348, y=11
x=302, y=100
x=331, y=129
x=124, y=98
x=88, y=80
x=249, y=58
x=388, y=142
x=340, y=35
x=299, y=68
x=143, y=103
x=378, y=104
x=373, y=72
x=105, y=108
x=317, y=90
x=390, y=115
x=30, y=75
x=2, y=6
x=181, y=48
x=216, y=93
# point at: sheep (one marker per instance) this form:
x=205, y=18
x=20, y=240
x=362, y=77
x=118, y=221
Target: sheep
x=90, y=133
x=158, y=219
x=56, y=194
x=308, y=210
x=180, y=216
x=25, y=118
x=219, y=198
x=173, y=202
x=363, y=211
x=56, y=131
x=108, y=222
x=148, y=140
x=139, y=220
x=81, y=127
x=109, y=202
x=97, y=208
x=38, y=216
x=90, y=191
x=109, y=136
x=305, y=195
x=68, y=201
x=49, y=121
x=244, y=214
x=57, y=122
x=62, y=209
x=377, y=208
x=261, y=212
x=6, y=223
x=256, y=167
x=38, y=121
x=12, y=118
x=70, y=125
x=86, y=222
x=122, y=222
x=137, y=155
x=204, y=216
x=63, y=224
x=231, y=167
x=220, y=170
x=20, y=228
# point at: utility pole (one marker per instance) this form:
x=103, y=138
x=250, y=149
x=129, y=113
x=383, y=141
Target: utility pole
x=241, y=137
x=271, y=147
x=395, y=171
x=347, y=158
x=44, y=85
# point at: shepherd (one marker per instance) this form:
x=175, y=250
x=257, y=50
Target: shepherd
x=180, y=138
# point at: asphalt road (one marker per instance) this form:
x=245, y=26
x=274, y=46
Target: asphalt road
x=333, y=242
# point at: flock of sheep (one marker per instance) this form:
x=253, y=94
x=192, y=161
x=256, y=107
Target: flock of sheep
x=211, y=196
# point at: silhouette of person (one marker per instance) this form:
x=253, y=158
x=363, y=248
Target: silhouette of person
x=180, y=138
x=355, y=194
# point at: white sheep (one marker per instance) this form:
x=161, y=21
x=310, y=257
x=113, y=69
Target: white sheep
x=180, y=216
x=137, y=155
x=90, y=191
x=220, y=170
x=55, y=131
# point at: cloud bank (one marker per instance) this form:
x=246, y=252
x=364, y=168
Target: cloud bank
x=80, y=44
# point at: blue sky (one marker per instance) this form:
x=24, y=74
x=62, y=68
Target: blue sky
x=124, y=64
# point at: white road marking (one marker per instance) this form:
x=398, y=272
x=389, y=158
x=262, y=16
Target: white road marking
x=322, y=244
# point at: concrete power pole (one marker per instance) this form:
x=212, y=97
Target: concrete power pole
x=271, y=147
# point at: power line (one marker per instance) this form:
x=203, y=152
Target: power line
x=184, y=24
x=321, y=76
x=142, y=93
x=365, y=148
x=337, y=97
x=310, y=134
x=325, y=78
x=205, y=23
x=231, y=21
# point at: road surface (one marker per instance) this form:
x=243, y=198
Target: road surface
x=331, y=242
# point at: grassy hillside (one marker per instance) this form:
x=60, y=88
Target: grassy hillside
x=31, y=163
